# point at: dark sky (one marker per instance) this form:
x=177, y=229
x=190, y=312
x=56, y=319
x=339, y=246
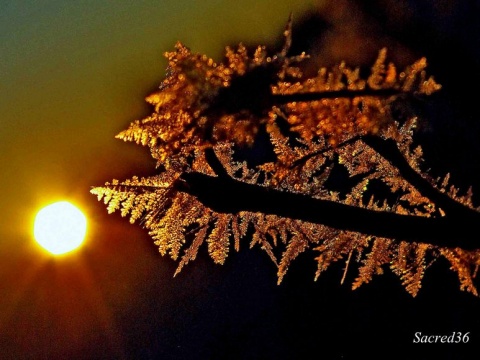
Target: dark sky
x=75, y=74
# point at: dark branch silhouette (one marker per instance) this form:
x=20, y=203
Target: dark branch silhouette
x=389, y=150
x=227, y=195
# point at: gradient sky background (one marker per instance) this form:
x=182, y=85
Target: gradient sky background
x=74, y=74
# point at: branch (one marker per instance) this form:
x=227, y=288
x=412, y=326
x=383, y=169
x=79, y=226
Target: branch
x=227, y=195
x=305, y=158
x=281, y=99
x=389, y=150
x=252, y=92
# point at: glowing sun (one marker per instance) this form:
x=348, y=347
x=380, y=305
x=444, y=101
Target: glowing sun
x=60, y=227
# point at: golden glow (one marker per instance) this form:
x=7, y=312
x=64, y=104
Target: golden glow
x=60, y=227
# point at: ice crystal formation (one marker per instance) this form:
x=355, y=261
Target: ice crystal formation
x=250, y=152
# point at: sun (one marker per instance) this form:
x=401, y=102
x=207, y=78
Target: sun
x=60, y=227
